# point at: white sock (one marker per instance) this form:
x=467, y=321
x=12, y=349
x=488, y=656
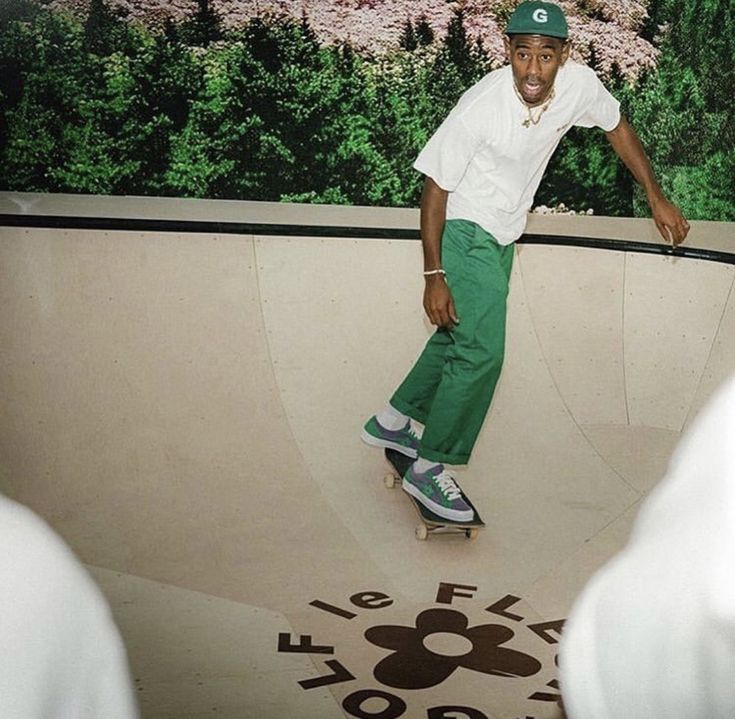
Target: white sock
x=392, y=419
x=421, y=465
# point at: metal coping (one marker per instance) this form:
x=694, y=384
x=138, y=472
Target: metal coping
x=336, y=231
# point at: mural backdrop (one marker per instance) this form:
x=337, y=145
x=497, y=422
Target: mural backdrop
x=330, y=100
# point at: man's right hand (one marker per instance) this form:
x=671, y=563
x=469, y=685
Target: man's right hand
x=438, y=303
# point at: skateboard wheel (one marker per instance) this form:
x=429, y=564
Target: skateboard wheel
x=390, y=481
x=471, y=533
x=422, y=533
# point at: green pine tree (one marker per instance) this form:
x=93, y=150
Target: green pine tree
x=408, y=40
x=204, y=28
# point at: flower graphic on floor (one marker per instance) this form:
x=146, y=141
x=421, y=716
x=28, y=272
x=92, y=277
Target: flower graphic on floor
x=418, y=660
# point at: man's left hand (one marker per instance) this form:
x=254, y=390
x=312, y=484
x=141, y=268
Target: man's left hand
x=670, y=222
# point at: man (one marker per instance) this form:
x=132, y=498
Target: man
x=61, y=655
x=653, y=632
x=483, y=166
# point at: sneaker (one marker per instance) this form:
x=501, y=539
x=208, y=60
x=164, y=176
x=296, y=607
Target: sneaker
x=403, y=440
x=437, y=491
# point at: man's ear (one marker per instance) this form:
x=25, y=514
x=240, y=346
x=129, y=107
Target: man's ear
x=565, y=50
x=506, y=43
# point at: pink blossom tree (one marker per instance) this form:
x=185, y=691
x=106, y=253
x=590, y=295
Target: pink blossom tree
x=605, y=33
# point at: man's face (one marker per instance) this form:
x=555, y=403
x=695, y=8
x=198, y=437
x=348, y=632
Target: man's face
x=535, y=60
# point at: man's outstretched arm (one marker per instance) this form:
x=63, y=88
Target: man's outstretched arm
x=667, y=216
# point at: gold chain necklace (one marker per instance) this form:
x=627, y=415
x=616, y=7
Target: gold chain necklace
x=530, y=120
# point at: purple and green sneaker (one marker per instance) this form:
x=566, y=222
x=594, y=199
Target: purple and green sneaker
x=402, y=440
x=437, y=490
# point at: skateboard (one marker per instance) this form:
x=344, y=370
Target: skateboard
x=430, y=522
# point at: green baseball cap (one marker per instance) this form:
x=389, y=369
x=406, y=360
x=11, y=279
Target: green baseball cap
x=535, y=17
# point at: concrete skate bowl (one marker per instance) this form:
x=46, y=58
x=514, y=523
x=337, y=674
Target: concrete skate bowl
x=184, y=385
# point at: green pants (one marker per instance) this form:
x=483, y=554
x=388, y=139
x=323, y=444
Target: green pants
x=450, y=387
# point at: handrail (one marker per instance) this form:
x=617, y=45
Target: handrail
x=335, y=231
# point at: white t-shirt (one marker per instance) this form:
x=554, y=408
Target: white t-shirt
x=492, y=165
x=61, y=656
x=653, y=633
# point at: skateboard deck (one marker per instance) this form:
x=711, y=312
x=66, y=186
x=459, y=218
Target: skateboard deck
x=430, y=523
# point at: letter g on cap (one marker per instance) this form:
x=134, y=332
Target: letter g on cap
x=540, y=15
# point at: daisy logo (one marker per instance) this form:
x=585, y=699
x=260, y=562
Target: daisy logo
x=434, y=654
x=417, y=664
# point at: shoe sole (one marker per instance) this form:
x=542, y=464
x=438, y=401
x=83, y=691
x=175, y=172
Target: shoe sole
x=453, y=515
x=387, y=444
